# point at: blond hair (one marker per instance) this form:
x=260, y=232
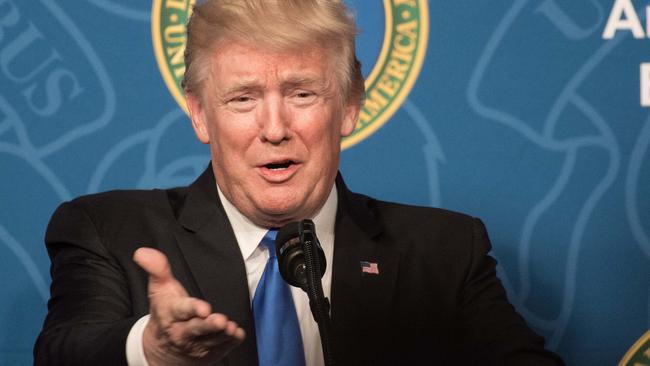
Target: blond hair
x=283, y=25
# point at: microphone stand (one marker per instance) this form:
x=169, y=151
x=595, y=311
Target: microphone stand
x=318, y=303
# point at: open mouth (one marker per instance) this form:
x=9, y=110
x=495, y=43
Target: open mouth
x=279, y=165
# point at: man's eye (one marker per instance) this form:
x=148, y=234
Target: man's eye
x=242, y=103
x=304, y=96
x=242, y=99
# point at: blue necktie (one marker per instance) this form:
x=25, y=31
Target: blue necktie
x=276, y=324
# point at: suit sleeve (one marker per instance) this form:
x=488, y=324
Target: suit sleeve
x=89, y=311
x=489, y=319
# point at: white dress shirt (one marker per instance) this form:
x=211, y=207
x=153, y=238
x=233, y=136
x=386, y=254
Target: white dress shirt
x=249, y=237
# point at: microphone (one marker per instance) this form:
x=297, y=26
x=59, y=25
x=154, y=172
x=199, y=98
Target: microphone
x=301, y=261
x=290, y=246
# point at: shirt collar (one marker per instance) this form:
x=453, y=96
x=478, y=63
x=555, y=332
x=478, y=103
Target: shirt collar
x=249, y=235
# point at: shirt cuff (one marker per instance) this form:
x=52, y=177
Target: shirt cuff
x=134, y=349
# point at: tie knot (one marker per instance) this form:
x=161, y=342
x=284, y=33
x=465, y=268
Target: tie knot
x=269, y=241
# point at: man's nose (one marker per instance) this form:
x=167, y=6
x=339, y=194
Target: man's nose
x=275, y=120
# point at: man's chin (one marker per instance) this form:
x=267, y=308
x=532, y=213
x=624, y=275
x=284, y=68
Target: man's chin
x=281, y=213
x=279, y=206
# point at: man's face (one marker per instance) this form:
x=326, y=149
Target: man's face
x=274, y=122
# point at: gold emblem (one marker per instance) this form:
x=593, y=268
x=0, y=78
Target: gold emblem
x=402, y=53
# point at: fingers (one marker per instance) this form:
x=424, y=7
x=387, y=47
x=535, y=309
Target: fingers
x=181, y=327
x=212, y=325
x=189, y=341
x=154, y=263
x=214, y=331
x=186, y=308
x=222, y=342
x=169, y=302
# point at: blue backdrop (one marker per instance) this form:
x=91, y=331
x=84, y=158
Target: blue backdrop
x=522, y=115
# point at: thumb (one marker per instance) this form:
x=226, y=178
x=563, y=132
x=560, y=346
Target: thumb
x=155, y=263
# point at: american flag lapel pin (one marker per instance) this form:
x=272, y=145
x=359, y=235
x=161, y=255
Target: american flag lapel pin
x=369, y=268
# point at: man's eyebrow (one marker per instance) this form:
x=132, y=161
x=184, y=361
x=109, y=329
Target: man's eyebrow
x=300, y=80
x=291, y=81
x=242, y=85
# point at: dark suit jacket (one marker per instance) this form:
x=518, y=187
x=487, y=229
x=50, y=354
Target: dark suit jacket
x=436, y=299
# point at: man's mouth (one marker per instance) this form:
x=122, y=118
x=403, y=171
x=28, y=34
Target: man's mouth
x=281, y=165
x=279, y=171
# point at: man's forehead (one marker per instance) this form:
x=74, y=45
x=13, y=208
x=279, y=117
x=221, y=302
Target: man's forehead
x=247, y=64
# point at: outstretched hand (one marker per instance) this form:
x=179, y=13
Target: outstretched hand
x=181, y=329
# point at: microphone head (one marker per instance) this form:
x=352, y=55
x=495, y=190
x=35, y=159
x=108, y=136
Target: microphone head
x=291, y=258
x=290, y=252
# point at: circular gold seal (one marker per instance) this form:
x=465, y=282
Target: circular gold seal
x=168, y=31
x=392, y=77
x=639, y=353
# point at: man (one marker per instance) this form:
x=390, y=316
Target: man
x=170, y=277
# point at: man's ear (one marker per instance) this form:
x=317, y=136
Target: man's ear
x=197, y=115
x=350, y=116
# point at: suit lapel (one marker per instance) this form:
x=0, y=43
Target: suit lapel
x=360, y=300
x=211, y=252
